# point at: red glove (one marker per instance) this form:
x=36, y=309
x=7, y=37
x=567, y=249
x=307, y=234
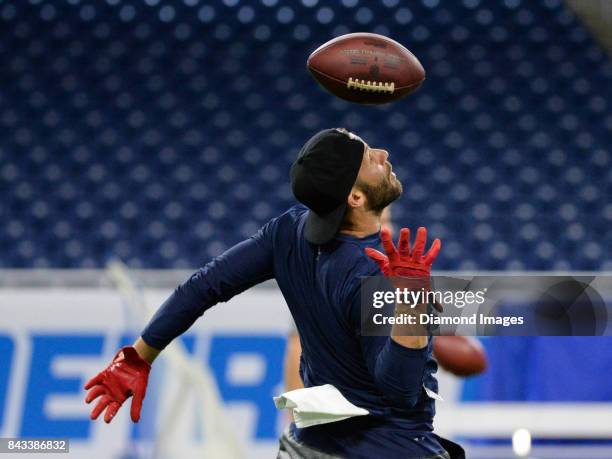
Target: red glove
x=126, y=375
x=405, y=263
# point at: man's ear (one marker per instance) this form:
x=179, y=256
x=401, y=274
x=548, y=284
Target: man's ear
x=356, y=198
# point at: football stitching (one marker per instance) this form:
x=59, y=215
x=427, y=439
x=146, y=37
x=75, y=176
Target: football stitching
x=398, y=88
x=375, y=86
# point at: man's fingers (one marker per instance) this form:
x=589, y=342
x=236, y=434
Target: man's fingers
x=433, y=252
x=102, y=403
x=375, y=255
x=387, y=242
x=419, y=244
x=136, y=405
x=111, y=411
x=95, y=393
x=94, y=381
x=381, y=260
x=404, y=243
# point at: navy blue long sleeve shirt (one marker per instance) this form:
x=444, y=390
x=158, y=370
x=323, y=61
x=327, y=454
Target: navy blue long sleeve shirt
x=321, y=285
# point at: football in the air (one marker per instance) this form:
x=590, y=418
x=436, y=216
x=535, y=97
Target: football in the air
x=460, y=355
x=366, y=68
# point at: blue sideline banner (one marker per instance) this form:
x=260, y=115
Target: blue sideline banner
x=53, y=340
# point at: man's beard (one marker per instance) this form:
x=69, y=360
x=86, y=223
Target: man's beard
x=381, y=195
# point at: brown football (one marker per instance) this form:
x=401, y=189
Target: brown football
x=460, y=355
x=366, y=68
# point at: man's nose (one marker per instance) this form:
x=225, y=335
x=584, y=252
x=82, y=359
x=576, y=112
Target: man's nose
x=384, y=155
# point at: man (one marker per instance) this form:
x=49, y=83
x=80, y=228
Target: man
x=454, y=362
x=293, y=351
x=317, y=252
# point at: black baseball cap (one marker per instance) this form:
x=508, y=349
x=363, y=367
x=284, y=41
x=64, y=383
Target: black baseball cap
x=322, y=177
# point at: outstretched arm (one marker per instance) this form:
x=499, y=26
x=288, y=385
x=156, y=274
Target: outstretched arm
x=398, y=363
x=241, y=267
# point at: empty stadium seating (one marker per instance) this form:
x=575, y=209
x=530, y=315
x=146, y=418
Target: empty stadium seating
x=162, y=131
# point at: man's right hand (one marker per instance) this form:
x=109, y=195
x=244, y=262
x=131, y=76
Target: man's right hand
x=127, y=375
x=411, y=270
x=405, y=262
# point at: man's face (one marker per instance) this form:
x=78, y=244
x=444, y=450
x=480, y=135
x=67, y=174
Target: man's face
x=377, y=180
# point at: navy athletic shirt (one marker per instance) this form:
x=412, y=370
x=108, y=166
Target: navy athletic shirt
x=321, y=285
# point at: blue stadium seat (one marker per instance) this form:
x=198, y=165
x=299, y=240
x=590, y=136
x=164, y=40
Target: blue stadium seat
x=162, y=131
